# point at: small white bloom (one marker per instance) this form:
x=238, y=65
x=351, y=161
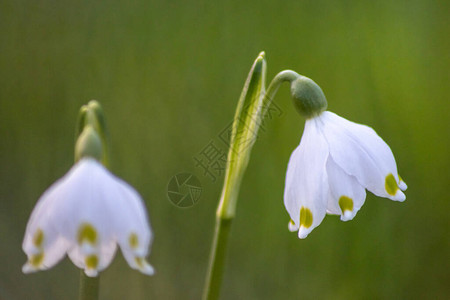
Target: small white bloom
x=86, y=214
x=331, y=168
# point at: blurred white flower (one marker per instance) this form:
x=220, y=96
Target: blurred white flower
x=86, y=214
x=331, y=168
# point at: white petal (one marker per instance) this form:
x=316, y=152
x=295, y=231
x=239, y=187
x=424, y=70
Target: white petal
x=131, y=223
x=360, y=152
x=93, y=262
x=402, y=185
x=91, y=272
x=42, y=242
x=41, y=258
x=134, y=235
x=292, y=226
x=142, y=265
x=346, y=193
x=306, y=189
x=88, y=197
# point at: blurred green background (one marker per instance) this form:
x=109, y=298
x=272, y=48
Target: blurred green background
x=168, y=74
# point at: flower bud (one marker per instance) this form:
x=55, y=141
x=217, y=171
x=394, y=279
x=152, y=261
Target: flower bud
x=91, y=115
x=88, y=144
x=308, y=97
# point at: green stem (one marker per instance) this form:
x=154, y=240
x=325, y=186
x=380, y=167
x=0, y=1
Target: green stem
x=283, y=76
x=88, y=287
x=217, y=259
x=227, y=205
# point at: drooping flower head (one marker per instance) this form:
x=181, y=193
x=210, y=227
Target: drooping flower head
x=336, y=161
x=85, y=214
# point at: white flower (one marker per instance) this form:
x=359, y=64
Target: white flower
x=331, y=168
x=85, y=214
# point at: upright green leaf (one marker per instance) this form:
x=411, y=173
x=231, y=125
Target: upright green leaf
x=245, y=128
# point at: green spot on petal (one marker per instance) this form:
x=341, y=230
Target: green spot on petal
x=38, y=238
x=391, y=185
x=306, y=217
x=87, y=233
x=37, y=259
x=345, y=203
x=139, y=262
x=91, y=261
x=133, y=240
